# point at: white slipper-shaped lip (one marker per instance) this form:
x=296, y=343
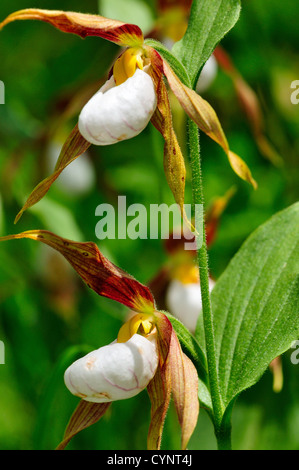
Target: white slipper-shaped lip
x=117, y=113
x=114, y=372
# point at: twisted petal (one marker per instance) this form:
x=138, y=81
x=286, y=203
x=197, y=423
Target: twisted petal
x=184, y=381
x=159, y=389
x=214, y=213
x=175, y=374
x=74, y=146
x=86, y=414
x=202, y=113
x=82, y=24
x=118, y=113
x=174, y=165
x=114, y=372
x=165, y=5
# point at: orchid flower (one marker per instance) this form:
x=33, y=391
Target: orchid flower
x=146, y=353
x=134, y=94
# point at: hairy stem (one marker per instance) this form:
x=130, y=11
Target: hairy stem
x=223, y=436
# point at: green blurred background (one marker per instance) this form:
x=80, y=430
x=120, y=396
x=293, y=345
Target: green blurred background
x=48, y=317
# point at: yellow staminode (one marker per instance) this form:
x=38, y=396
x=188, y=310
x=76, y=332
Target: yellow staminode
x=127, y=63
x=140, y=323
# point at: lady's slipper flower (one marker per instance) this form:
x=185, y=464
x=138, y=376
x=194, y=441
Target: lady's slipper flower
x=140, y=66
x=114, y=372
x=147, y=352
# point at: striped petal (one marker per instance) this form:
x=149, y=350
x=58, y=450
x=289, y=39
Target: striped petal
x=74, y=146
x=175, y=375
x=174, y=164
x=184, y=386
x=85, y=415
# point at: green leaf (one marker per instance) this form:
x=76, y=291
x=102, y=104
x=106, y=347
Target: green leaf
x=209, y=22
x=255, y=304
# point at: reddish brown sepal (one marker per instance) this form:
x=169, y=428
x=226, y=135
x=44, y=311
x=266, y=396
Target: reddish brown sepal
x=83, y=24
x=97, y=272
x=85, y=415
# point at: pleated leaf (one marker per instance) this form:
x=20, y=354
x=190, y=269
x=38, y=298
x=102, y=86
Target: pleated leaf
x=256, y=304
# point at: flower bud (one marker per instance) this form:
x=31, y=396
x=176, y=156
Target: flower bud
x=184, y=301
x=120, y=112
x=114, y=372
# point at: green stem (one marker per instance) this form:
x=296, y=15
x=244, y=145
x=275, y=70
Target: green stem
x=222, y=435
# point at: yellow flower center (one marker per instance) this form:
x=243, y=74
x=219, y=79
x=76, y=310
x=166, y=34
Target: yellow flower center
x=127, y=63
x=141, y=323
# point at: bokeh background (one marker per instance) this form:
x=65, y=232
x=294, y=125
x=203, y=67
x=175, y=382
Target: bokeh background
x=48, y=317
